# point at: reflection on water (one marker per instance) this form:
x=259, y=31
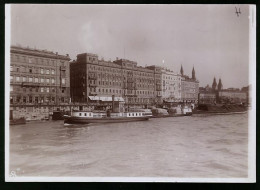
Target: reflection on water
x=214, y=146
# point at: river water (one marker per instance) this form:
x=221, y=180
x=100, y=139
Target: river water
x=213, y=146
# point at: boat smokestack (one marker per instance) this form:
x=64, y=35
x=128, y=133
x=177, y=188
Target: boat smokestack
x=113, y=103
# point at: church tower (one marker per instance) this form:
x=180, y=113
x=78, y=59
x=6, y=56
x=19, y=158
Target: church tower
x=181, y=71
x=220, y=86
x=214, y=84
x=193, y=74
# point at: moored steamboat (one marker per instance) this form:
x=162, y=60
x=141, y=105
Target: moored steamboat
x=116, y=115
x=86, y=117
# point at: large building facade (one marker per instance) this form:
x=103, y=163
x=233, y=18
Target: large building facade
x=206, y=96
x=41, y=81
x=189, y=87
x=94, y=79
x=171, y=85
x=38, y=77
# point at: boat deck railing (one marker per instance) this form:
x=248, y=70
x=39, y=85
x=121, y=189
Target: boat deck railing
x=126, y=114
x=111, y=115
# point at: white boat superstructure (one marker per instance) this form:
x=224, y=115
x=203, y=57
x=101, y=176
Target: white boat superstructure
x=102, y=117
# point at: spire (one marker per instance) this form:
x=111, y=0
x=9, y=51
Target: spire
x=181, y=70
x=214, y=84
x=220, y=86
x=193, y=73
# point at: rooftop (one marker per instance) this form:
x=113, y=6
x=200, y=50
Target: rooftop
x=37, y=52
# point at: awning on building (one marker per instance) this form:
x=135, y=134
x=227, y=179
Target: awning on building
x=94, y=98
x=106, y=99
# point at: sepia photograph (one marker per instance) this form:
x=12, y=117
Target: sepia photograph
x=130, y=93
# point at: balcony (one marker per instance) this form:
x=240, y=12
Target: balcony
x=29, y=84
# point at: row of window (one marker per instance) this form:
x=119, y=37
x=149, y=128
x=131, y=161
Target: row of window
x=139, y=92
x=106, y=90
x=139, y=100
x=36, y=99
x=119, y=78
x=136, y=73
x=172, y=93
x=171, y=83
x=85, y=114
x=119, y=84
x=35, y=89
x=23, y=69
x=169, y=88
x=170, y=78
x=42, y=61
x=134, y=114
x=32, y=79
x=35, y=79
x=105, y=83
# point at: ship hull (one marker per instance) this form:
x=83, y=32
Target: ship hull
x=78, y=120
x=173, y=115
x=58, y=115
x=208, y=109
x=204, y=113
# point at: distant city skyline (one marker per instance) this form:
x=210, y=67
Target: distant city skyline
x=212, y=38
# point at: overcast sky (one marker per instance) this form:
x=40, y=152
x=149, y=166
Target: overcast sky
x=210, y=37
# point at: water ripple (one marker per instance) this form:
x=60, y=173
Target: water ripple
x=214, y=146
